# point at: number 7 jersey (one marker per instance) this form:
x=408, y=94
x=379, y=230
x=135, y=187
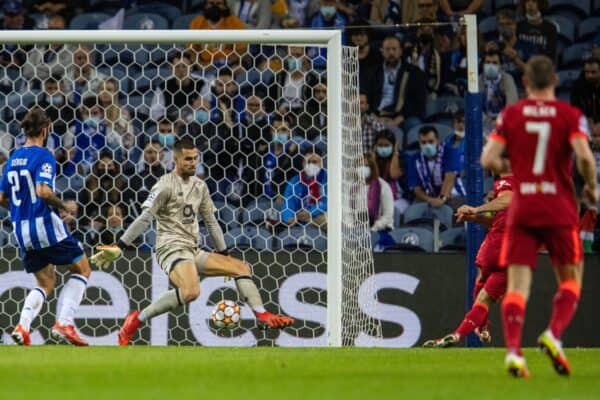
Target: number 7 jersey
x=538, y=135
x=35, y=224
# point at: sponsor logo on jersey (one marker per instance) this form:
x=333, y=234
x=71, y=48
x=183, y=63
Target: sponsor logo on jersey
x=528, y=188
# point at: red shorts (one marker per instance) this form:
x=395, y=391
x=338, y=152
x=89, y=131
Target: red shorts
x=521, y=244
x=493, y=280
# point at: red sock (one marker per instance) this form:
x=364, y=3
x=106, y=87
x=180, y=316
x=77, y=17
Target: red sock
x=474, y=318
x=513, y=315
x=564, y=307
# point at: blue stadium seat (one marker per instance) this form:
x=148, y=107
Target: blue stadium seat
x=413, y=239
x=488, y=25
x=574, y=55
x=575, y=10
x=183, y=22
x=303, y=237
x=567, y=77
x=145, y=21
x=88, y=20
x=412, y=138
x=588, y=28
x=443, y=107
x=228, y=215
x=453, y=239
x=565, y=28
x=238, y=237
x=257, y=211
x=422, y=214
x=168, y=11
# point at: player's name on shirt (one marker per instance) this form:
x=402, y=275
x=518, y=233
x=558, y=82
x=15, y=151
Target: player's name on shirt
x=539, y=111
x=18, y=162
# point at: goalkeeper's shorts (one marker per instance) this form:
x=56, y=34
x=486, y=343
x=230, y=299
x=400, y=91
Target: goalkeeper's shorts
x=169, y=257
x=66, y=252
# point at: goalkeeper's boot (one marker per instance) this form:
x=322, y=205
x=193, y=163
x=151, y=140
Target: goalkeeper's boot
x=516, y=365
x=68, y=333
x=130, y=326
x=552, y=347
x=21, y=336
x=270, y=320
x=449, y=340
x=483, y=333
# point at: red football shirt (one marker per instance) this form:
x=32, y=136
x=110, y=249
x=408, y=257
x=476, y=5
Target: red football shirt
x=489, y=252
x=538, y=138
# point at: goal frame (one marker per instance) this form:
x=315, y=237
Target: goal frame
x=331, y=39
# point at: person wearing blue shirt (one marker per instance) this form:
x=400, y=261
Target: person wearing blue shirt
x=27, y=190
x=432, y=172
x=455, y=145
x=305, y=197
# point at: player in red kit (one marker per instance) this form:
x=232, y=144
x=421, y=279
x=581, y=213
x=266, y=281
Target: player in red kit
x=540, y=135
x=491, y=282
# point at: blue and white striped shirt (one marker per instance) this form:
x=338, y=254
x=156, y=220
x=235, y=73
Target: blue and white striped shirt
x=35, y=225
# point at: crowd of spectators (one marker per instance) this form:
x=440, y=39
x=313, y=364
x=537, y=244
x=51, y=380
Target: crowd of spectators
x=258, y=113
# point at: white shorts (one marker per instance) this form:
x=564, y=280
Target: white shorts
x=168, y=258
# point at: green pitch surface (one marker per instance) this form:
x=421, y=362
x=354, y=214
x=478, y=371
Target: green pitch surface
x=58, y=372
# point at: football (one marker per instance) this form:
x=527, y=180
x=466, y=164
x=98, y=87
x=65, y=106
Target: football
x=226, y=315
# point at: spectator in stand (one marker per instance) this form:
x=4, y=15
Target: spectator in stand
x=455, y=144
x=585, y=93
x=255, y=14
x=281, y=162
x=46, y=61
x=71, y=218
x=428, y=10
x=540, y=34
x=125, y=146
x=367, y=55
x=458, y=8
x=226, y=102
x=313, y=122
x=380, y=200
x=83, y=79
x=514, y=51
x=595, y=145
x=370, y=127
x=150, y=167
x=425, y=57
x=65, y=8
x=432, y=172
x=499, y=89
x=216, y=15
x=108, y=99
x=328, y=17
x=14, y=18
x=107, y=227
x=455, y=69
x=54, y=102
x=387, y=157
x=294, y=82
x=393, y=12
x=305, y=197
x=176, y=96
x=397, y=91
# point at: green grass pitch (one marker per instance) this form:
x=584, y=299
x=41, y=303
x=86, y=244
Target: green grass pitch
x=60, y=372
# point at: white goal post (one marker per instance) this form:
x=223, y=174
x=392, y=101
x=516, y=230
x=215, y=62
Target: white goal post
x=336, y=95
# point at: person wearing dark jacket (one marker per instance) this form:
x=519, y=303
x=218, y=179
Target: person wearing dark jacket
x=585, y=93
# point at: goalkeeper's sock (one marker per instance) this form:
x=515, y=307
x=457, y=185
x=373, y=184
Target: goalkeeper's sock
x=32, y=306
x=474, y=318
x=249, y=293
x=167, y=301
x=72, y=295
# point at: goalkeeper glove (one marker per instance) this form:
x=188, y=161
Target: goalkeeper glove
x=106, y=255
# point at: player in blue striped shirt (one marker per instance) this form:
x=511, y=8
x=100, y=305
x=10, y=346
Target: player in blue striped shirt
x=26, y=189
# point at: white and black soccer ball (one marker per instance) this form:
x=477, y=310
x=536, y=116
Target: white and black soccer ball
x=226, y=315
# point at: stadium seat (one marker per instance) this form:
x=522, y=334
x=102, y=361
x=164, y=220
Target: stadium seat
x=573, y=55
x=412, y=138
x=168, y=11
x=488, y=25
x=567, y=77
x=228, y=215
x=303, y=237
x=575, y=10
x=257, y=211
x=263, y=240
x=239, y=237
x=443, y=107
x=88, y=20
x=422, y=214
x=183, y=22
x=453, y=239
x=565, y=29
x=588, y=28
x=145, y=21
x=413, y=238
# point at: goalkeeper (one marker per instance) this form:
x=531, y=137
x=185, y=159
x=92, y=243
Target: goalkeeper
x=175, y=202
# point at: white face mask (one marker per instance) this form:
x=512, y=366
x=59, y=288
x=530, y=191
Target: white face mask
x=460, y=134
x=364, y=172
x=311, y=170
x=532, y=17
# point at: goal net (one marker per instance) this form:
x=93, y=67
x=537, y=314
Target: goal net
x=260, y=106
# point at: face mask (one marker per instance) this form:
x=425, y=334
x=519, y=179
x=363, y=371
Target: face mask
x=281, y=138
x=532, y=17
x=166, y=139
x=294, y=63
x=429, y=150
x=364, y=172
x=213, y=13
x=491, y=71
x=114, y=229
x=92, y=122
x=328, y=12
x=201, y=116
x=384, y=151
x=460, y=134
x=311, y=170
x=56, y=100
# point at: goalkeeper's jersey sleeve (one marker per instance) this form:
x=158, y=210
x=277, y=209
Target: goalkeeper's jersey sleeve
x=176, y=205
